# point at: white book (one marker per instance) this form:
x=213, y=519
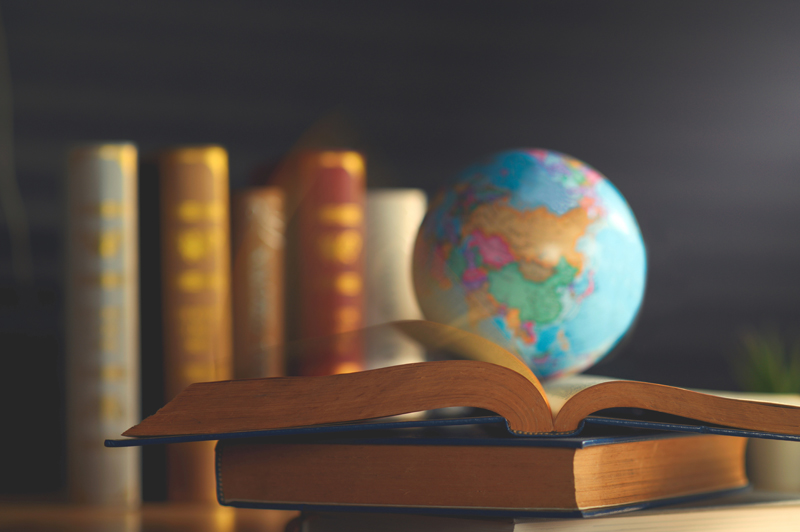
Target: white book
x=102, y=322
x=393, y=217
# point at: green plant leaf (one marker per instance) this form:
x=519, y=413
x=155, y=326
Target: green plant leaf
x=767, y=364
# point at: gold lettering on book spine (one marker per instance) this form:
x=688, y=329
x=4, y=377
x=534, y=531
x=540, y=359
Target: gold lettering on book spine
x=109, y=242
x=348, y=284
x=352, y=162
x=341, y=214
x=343, y=247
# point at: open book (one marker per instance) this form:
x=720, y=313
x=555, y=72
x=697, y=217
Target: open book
x=488, y=377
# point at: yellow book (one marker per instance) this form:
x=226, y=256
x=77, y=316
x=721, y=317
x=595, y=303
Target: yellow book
x=195, y=286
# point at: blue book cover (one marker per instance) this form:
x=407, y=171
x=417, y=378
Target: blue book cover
x=634, y=419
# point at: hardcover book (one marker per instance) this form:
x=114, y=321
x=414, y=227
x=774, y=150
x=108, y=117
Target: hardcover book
x=476, y=474
x=195, y=254
x=102, y=321
x=330, y=246
x=393, y=218
x=258, y=239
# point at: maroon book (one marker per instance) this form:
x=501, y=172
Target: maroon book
x=330, y=247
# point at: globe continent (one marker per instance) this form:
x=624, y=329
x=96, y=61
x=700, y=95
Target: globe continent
x=538, y=252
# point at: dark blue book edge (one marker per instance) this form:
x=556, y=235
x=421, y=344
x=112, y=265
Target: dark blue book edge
x=323, y=430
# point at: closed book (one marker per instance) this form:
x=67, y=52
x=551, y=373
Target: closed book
x=258, y=240
x=102, y=326
x=330, y=247
x=739, y=512
x=480, y=475
x=393, y=219
x=195, y=255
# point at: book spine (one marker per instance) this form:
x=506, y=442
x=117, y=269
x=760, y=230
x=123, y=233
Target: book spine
x=331, y=266
x=393, y=219
x=102, y=325
x=195, y=252
x=258, y=282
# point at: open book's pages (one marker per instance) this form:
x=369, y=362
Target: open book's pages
x=561, y=390
x=492, y=379
x=740, y=414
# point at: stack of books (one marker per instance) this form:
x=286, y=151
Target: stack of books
x=322, y=444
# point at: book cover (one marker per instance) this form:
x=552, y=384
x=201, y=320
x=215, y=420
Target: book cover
x=102, y=326
x=330, y=245
x=258, y=240
x=452, y=472
x=195, y=254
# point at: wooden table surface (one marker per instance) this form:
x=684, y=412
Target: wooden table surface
x=152, y=517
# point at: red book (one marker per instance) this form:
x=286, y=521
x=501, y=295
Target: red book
x=330, y=247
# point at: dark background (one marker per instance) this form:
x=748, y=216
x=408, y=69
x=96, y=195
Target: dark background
x=691, y=108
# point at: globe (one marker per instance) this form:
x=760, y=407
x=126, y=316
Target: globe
x=537, y=251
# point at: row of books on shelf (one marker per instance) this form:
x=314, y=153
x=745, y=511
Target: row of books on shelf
x=164, y=261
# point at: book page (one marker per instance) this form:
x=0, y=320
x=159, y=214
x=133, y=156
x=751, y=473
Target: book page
x=561, y=390
x=776, y=398
x=467, y=345
x=435, y=336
